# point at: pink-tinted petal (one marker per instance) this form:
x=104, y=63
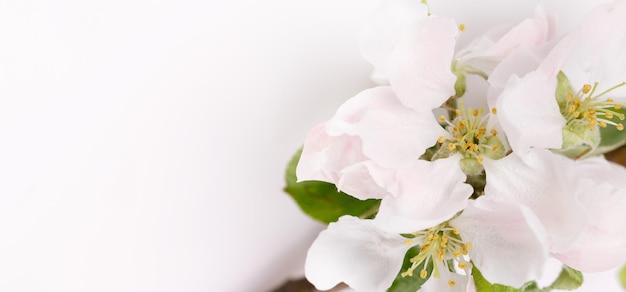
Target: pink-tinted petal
x=324, y=157
x=425, y=194
x=544, y=182
x=383, y=29
x=529, y=113
x=602, y=192
x=420, y=71
x=509, y=244
x=392, y=134
x=357, y=253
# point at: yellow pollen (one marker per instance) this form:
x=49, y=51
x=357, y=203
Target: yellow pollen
x=475, y=113
x=480, y=159
x=609, y=115
x=576, y=114
x=571, y=108
x=457, y=253
x=462, y=265
x=602, y=124
x=468, y=245
x=423, y=273
x=451, y=283
x=455, y=231
x=494, y=111
x=443, y=244
x=461, y=125
x=494, y=133
x=586, y=88
x=570, y=97
x=494, y=148
x=462, y=27
x=618, y=106
x=620, y=127
x=436, y=237
x=459, y=138
x=457, y=112
x=444, y=238
x=451, y=146
x=429, y=237
x=408, y=242
x=441, y=140
x=442, y=118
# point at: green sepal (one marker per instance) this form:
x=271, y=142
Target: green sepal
x=568, y=279
x=322, y=201
x=460, y=84
x=563, y=89
x=410, y=283
x=622, y=277
x=579, y=141
x=482, y=285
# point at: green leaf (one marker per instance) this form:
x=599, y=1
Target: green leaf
x=482, y=285
x=622, y=277
x=322, y=200
x=410, y=283
x=569, y=279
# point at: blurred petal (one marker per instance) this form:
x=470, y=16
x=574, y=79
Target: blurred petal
x=602, y=193
x=354, y=251
x=383, y=29
x=357, y=181
x=509, y=244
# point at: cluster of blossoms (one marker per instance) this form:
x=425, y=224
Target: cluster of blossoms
x=500, y=187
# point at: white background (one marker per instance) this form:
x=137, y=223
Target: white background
x=143, y=143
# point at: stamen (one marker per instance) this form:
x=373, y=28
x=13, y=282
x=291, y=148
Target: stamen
x=494, y=111
x=451, y=283
x=462, y=27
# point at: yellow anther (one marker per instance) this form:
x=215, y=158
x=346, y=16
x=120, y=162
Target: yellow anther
x=455, y=129
x=570, y=97
x=436, y=236
x=602, y=124
x=408, y=242
x=457, y=112
x=609, y=100
x=431, y=229
x=429, y=237
x=494, y=132
x=461, y=125
x=468, y=245
x=480, y=159
x=462, y=265
x=440, y=256
x=618, y=106
x=455, y=231
x=495, y=148
x=609, y=115
x=444, y=238
x=576, y=114
x=586, y=88
x=457, y=253
x=423, y=273
x=619, y=127
x=571, y=108
x=443, y=244
x=441, y=140
x=585, y=114
x=459, y=138
x=462, y=27
x=494, y=111
x=464, y=250
x=592, y=111
x=442, y=118
x=451, y=146
x=475, y=113
x=451, y=283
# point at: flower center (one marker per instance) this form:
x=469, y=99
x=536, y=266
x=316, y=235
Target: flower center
x=473, y=138
x=585, y=108
x=441, y=246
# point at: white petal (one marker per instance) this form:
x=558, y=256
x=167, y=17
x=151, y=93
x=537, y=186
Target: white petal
x=509, y=244
x=447, y=281
x=529, y=113
x=358, y=182
x=420, y=71
x=357, y=253
x=383, y=29
x=425, y=194
x=392, y=134
x=544, y=182
x=602, y=192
